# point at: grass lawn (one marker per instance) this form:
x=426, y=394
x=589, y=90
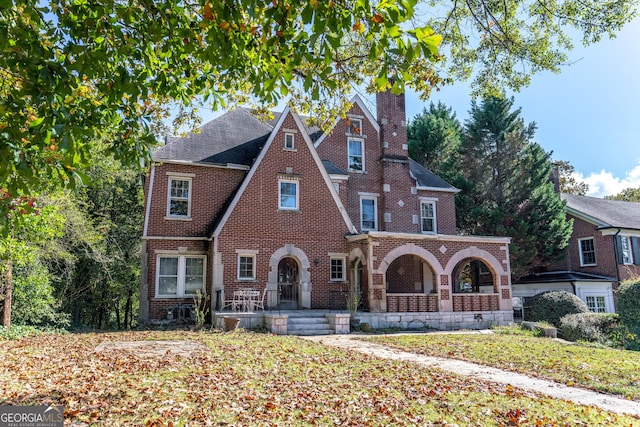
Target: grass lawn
x=602, y=369
x=246, y=379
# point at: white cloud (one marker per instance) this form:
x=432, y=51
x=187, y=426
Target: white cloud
x=605, y=183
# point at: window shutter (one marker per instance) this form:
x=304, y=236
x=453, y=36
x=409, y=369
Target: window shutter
x=618, y=245
x=635, y=247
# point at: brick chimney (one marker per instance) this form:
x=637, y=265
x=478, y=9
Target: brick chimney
x=392, y=118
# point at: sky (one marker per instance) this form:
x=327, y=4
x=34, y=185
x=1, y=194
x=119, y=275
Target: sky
x=588, y=114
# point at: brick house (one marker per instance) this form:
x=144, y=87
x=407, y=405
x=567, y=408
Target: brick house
x=306, y=217
x=603, y=251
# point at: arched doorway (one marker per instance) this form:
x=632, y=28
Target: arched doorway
x=473, y=276
x=360, y=285
x=288, y=284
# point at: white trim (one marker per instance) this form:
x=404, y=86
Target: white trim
x=612, y=231
x=293, y=140
x=343, y=277
x=443, y=190
x=171, y=178
x=181, y=273
x=356, y=100
x=425, y=201
x=582, y=263
x=175, y=238
x=206, y=165
x=178, y=252
x=247, y=251
x=336, y=198
x=438, y=237
x=148, y=207
x=365, y=194
x=253, y=266
x=296, y=182
x=181, y=174
x=349, y=155
x=375, y=213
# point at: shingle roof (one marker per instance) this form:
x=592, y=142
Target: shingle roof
x=562, y=276
x=332, y=169
x=605, y=213
x=234, y=137
x=426, y=178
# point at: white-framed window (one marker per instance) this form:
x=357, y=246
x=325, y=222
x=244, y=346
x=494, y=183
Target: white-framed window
x=596, y=303
x=625, y=246
x=179, y=200
x=246, y=266
x=289, y=141
x=180, y=275
x=355, y=126
x=288, y=195
x=368, y=213
x=356, y=154
x=336, y=185
x=428, y=216
x=587, y=251
x=337, y=269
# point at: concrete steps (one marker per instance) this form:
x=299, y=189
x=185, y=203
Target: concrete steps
x=309, y=325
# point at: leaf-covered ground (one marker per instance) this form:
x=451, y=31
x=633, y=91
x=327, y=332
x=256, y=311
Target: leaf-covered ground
x=247, y=379
x=602, y=369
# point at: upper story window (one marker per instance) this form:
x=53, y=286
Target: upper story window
x=587, y=252
x=289, y=141
x=180, y=275
x=355, y=126
x=288, y=194
x=428, y=216
x=337, y=269
x=356, y=154
x=625, y=246
x=179, y=200
x=368, y=213
x=246, y=267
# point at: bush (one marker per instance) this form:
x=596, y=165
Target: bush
x=551, y=306
x=628, y=307
x=602, y=328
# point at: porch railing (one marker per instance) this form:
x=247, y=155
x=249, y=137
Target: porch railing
x=475, y=302
x=408, y=303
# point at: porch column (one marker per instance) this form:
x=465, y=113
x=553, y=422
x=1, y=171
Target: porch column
x=505, y=302
x=272, y=295
x=217, y=282
x=305, y=294
x=377, y=293
x=445, y=292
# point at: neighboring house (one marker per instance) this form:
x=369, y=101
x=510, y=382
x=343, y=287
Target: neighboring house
x=602, y=252
x=306, y=217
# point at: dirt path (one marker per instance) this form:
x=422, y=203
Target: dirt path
x=550, y=388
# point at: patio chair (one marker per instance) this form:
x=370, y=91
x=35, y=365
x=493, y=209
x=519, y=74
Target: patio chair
x=258, y=304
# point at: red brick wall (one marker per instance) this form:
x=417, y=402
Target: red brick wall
x=392, y=110
x=445, y=210
x=604, y=250
x=256, y=223
x=210, y=189
x=403, y=273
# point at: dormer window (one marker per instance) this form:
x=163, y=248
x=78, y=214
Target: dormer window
x=289, y=141
x=355, y=126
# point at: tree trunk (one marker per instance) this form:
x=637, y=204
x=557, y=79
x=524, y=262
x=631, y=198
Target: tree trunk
x=127, y=311
x=117, y=307
x=6, y=312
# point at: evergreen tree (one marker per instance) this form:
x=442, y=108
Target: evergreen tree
x=508, y=189
x=434, y=140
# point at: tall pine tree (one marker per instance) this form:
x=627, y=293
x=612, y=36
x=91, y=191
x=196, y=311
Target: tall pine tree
x=508, y=191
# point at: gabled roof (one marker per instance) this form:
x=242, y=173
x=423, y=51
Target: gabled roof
x=604, y=213
x=333, y=169
x=562, y=276
x=235, y=137
x=427, y=180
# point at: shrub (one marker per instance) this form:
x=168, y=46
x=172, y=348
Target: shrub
x=628, y=307
x=592, y=327
x=551, y=306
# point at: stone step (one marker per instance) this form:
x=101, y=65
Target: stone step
x=312, y=332
x=309, y=326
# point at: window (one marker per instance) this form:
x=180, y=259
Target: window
x=428, y=216
x=336, y=185
x=368, y=214
x=596, y=304
x=179, y=203
x=587, y=252
x=180, y=276
x=337, y=269
x=288, y=195
x=289, y=141
x=355, y=126
x=246, y=267
x=356, y=157
x=627, y=255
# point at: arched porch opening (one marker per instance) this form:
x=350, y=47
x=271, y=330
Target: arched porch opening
x=474, y=286
x=410, y=274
